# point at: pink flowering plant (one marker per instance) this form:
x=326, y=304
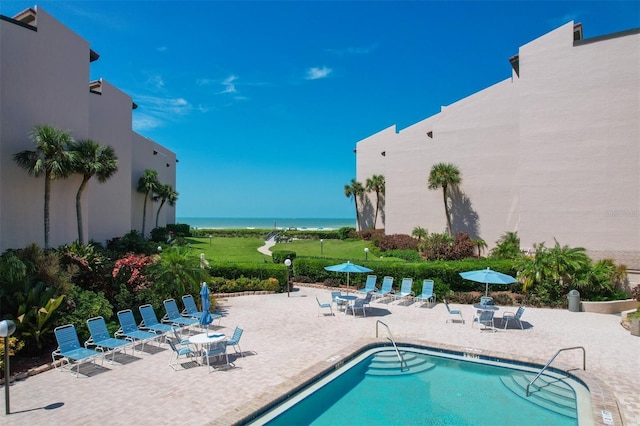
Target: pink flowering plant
x=130, y=270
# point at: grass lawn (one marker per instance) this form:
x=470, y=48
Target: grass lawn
x=229, y=249
x=245, y=249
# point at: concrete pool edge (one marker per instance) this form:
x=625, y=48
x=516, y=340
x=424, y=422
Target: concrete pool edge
x=602, y=399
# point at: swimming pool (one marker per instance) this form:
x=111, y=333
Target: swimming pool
x=434, y=388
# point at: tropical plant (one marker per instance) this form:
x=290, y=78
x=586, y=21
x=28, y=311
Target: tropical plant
x=84, y=304
x=178, y=272
x=419, y=232
x=507, y=247
x=91, y=159
x=551, y=272
x=12, y=275
x=14, y=347
x=376, y=183
x=444, y=175
x=480, y=245
x=147, y=184
x=165, y=194
x=130, y=270
x=51, y=159
x=36, y=309
x=355, y=190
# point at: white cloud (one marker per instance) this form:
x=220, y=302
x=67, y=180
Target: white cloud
x=155, y=81
x=228, y=84
x=315, y=73
x=154, y=111
x=161, y=49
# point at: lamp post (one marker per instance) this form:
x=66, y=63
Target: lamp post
x=287, y=263
x=159, y=249
x=366, y=253
x=321, y=248
x=210, y=237
x=7, y=328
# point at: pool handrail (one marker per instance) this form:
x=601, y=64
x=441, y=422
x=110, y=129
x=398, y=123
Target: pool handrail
x=390, y=338
x=584, y=363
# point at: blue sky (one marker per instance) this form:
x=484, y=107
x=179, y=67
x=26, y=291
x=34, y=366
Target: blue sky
x=263, y=102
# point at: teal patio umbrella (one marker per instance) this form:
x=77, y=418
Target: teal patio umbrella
x=348, y=267
x=487, y=276
x=205, y=318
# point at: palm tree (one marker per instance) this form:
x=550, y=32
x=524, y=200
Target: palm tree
x=92, y=159
x=147, y=184
x=354, y=190
x=480, y=245
x=50, y=159
x=419, y=232
x=178, y=272
x=376, y=184
x=165, y=194
x=444, y=175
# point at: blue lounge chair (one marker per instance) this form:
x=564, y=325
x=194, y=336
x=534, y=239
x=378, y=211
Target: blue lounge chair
x=369, y=285
x=191, y=310
x=150, y=321
x=235, y=340
x=69, y=349
x=101, y=339
x=453, y=312
x=130, y=331
x=173, y=316
x=387, y=287
x=405, y=289
x=427, y=292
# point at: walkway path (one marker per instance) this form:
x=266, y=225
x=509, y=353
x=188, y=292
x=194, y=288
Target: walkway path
x=266, y=248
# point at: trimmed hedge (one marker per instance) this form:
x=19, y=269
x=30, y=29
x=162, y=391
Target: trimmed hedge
x=233, y=271
x=446, y=274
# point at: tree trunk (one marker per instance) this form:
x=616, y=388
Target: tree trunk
x=158, y=212
x=446, y=210
x=144, y=211
x=79, y=209
x=47, y=195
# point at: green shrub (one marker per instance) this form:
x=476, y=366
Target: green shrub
x=408, y=255
x=345, y=232
x=82, y=305
x=279, y=256
x=397, y=242
x=179, y=230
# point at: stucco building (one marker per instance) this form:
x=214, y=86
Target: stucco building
x=45, y=79
x=551, y=152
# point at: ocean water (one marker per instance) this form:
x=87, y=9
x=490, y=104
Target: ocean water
x=266, y=223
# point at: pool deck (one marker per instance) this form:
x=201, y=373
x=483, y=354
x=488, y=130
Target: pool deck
x=285, y=342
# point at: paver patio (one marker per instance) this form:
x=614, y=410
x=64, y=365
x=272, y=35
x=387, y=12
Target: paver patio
x=284, y=339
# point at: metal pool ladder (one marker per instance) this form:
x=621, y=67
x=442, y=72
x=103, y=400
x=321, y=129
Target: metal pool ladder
x=390, y=338
x=584, y=363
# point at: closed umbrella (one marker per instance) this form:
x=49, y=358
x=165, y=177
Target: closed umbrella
x=487, y=276
x=348, y=267
x=205, y=318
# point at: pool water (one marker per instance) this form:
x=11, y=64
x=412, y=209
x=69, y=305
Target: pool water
x=436, y=390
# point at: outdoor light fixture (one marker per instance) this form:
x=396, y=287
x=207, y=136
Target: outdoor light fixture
x=210, y=237
x=366, y=253
x=321, y=249
x=159, y=249
x=7, y=328
x=287, y=263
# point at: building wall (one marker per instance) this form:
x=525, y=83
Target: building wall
x=110, y=124
x=44, y=79
x=551, y=153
